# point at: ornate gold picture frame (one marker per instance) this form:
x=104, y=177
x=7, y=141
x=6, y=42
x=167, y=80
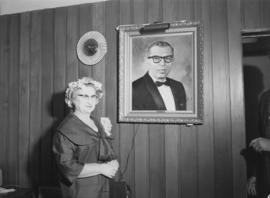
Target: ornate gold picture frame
x=185, y=59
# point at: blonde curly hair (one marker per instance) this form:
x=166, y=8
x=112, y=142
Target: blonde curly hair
x=76, y=85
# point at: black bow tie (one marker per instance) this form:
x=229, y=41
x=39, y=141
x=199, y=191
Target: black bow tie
x=158, y=83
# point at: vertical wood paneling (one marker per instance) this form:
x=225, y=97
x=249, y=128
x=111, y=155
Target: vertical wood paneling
x=188, y=162
x=237, y=95
x=142, y=138
x=85, y=26
x=98, y=72
x=221, y=102
x=127, y=154
x=255, y=14
x=24, y=97
x=186, y=10
x=72, y=39
x=112, y=7
x=188, y=135
x=138, y=12
x=71, y=45
x=265, y=6
x=170, y=10
x=35, y=96
x=4, y=102
x=156, y=161
x=166, y=160
x=60, y=59
x=12, y=158
x=171, y=161
x=46, y=160
x=205, y=132
x=153, y=11
x=156, y=132
x=126, y=130
x=172, y=133
x=251, y=14
x=2, y=147
x=142, y=183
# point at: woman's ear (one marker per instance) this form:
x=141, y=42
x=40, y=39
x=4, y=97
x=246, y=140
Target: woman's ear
x=69, y=103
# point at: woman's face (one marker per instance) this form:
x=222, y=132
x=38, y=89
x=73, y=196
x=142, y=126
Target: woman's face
x=85, y=100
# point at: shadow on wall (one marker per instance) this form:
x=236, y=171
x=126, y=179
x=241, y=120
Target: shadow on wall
x=41, y=168
x=253, y=87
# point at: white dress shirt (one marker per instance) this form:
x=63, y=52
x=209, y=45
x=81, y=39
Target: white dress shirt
x=167, y=96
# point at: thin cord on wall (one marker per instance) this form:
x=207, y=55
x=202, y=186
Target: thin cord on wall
x=122, y=173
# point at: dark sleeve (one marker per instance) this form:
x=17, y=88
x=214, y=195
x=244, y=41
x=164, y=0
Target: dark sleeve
x=64, y=151
x=252, y=158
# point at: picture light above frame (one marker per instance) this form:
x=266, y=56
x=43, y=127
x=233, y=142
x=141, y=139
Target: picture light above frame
x=186, y=62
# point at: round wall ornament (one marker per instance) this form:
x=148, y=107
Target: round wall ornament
x=91, y=48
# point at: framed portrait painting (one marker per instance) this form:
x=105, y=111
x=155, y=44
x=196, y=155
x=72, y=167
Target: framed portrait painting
x=160, y=73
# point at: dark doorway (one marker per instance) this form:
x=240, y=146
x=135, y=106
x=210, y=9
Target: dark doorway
x=256, y=67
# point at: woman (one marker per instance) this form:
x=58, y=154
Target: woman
x=82, y=148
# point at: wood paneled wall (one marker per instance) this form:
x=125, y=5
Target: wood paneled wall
x=255, y=14
x=38, y=58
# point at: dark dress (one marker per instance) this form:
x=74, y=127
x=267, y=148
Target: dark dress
x=74, y=145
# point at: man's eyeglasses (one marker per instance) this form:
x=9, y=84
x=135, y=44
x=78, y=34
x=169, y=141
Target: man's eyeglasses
x=157, y=59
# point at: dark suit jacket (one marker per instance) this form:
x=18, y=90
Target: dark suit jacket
x=263, y=164
x=145, y=94
x=258, y=162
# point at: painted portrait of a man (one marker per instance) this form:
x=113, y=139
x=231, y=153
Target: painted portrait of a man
x=162, y=74
x=155, y=90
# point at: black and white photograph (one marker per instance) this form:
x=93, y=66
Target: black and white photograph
x=134, y=98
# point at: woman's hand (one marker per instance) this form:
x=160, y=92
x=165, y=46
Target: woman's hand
x=107, y=125
x=109, y=169
x=114, y=163
x=260, y=144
